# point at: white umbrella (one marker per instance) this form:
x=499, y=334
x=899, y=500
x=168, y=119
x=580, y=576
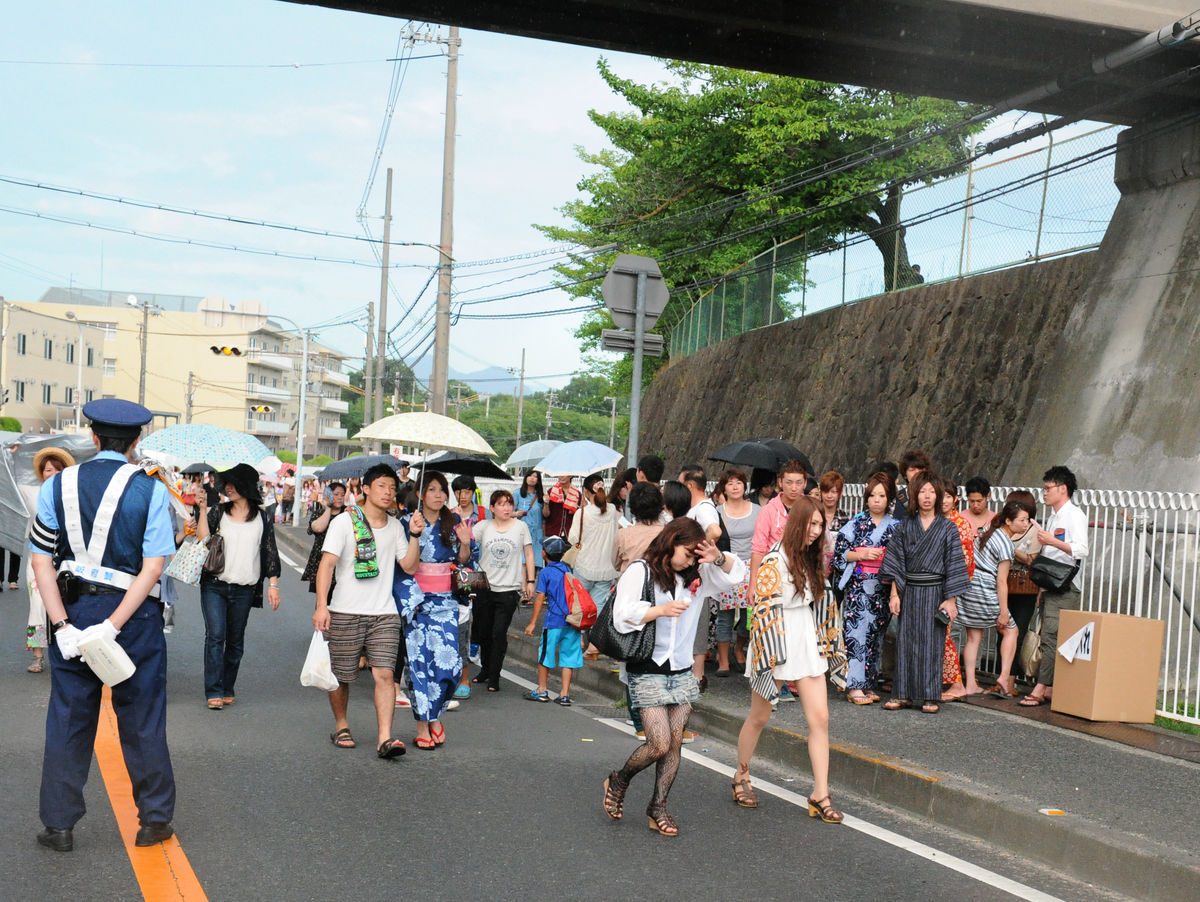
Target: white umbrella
x=221, y=448
x=427, y=430
x=579, y=459
x=531, y=453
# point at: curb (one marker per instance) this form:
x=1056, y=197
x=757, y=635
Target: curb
x=1080, y=849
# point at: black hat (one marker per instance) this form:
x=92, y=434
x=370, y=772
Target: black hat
x=116, y=418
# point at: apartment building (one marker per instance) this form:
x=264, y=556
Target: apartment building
x=49, y=367
x=209, y=361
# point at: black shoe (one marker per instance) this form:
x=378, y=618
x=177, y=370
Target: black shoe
x=58, y=840
x=152, y=834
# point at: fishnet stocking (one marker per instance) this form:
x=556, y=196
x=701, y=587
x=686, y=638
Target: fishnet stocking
x=664, y=740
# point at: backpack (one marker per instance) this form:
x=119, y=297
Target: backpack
x=581, y=608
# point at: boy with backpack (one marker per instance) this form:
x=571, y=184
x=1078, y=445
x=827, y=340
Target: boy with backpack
x=561, y=646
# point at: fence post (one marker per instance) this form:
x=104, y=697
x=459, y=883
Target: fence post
x=965, y=241
x=843, y=269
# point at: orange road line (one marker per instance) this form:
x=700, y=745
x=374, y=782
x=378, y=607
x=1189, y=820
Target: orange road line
x=163, y=871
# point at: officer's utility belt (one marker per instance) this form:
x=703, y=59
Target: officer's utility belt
x=75, y=579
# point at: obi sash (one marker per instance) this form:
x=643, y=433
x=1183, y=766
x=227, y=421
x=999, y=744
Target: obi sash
x=925, y=579
x=434, y=578
x=867, y=566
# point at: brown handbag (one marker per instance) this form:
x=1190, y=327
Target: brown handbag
x=1020, y=583
x=215, y=563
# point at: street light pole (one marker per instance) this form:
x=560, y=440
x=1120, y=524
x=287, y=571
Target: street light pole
x=612, y=426
x=297, y=506
x=79, y=375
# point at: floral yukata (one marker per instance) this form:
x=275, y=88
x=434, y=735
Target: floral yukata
x=431, y=624
x=865, y=613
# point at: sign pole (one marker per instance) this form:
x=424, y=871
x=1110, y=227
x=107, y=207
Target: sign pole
x=635, y=394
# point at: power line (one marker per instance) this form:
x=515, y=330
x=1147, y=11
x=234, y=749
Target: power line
x=100, y=65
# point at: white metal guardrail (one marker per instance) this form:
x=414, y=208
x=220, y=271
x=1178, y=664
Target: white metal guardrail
x=1144, y=560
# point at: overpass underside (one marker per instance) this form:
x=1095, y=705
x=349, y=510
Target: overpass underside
x=980, y=51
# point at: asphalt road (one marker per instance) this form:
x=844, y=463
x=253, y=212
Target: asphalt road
x=508, y=809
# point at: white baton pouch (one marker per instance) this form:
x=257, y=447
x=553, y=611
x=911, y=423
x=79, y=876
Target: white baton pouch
x=107, y=659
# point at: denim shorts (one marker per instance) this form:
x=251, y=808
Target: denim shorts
x=653, y=690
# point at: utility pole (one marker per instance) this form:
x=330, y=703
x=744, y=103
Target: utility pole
x=381, y=342
x=612, y=426
x=520, y=397
x=412, y=394
x=441, y=334
x=369, y=363
x=487, y=407
x=3, y=336
x=458, y=403
x=191, y=392
x=549, y=408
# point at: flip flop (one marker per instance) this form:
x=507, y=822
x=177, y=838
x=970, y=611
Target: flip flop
x=462, y=692
x=1032, y=701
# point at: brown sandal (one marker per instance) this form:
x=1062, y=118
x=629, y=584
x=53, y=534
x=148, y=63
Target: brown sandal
x=661, y=821
x=895, y=704
x=743, y=792
x=824, y=809
x=614, y=796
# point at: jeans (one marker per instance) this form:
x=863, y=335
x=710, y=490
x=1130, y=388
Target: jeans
x=226, y=609
x=598, y=589
x=492, y=615
x=725, y=621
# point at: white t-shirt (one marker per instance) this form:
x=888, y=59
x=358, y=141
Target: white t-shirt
x=363, y=596
x=705, y=513
x=502, y=554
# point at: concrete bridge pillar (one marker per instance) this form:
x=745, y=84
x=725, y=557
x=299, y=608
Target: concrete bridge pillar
x=1119, y=403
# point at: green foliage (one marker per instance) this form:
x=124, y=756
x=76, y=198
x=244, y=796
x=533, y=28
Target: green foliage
x=289, y=457
x=709, y=135
x=10, y=424
x=397, y=379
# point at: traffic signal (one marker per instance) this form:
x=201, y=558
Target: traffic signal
x=4, y=400
x=227, y=351
x=261, y=408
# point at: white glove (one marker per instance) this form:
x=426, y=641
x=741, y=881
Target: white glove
x=104, y=629
x=67, y=639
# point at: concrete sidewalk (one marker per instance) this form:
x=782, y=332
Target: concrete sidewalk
x=986, y=768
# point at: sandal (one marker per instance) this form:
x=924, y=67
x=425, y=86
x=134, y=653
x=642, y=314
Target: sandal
x=439, y=735
x=342, y=739
x=462, y=691
x=930, y=708
x=392, y=748
x=743, y=792
x=661, y=821
x=1033, y=701
x=36, y=665
x=215, y=704
x=895, y=704
x=824, y=810
x=860, y=699
x=874, y=697
x=614, y=796
x=13, y=586
x=425, y=744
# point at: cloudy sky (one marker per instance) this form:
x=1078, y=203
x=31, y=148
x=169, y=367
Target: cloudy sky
x=272, y=111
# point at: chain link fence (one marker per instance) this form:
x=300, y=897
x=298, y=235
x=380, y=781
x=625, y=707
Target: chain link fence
x=1048, y=200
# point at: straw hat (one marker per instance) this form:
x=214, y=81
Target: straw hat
x=59, y=454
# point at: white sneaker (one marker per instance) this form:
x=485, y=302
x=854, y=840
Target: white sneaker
x=452, y=704
x=402, y=700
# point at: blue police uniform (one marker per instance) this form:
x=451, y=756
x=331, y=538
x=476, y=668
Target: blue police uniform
x=140, y=528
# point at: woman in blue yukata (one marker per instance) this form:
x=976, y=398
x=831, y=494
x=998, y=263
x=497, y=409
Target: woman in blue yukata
x=438, y=540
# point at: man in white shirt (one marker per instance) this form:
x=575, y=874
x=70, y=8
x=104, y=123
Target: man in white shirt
x=362, y=546
x=704, y=512
x=1064, y=540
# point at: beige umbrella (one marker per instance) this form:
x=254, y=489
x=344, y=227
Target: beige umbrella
x=426, y=430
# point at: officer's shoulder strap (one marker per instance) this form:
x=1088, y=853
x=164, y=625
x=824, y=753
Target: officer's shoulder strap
x=92, y=551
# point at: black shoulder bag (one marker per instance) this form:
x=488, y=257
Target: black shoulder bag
x=633, y=647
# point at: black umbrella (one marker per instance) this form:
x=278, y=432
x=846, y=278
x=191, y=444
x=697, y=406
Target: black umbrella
x=785, y=451
x=478, y=465
x=194, y=469
x=358, y=464
x=755, y=455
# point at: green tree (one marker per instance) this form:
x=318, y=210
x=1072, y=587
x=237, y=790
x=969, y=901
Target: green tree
x=696, y=178
x=398, y=380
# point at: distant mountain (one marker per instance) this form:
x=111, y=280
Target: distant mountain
x=493, y=380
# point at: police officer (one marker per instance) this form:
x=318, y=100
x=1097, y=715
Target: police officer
x=99, y=542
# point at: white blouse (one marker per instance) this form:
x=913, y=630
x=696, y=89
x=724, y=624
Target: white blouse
x=674, y=635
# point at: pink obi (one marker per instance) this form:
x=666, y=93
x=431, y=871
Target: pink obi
x=870, y=566
x=434, y=578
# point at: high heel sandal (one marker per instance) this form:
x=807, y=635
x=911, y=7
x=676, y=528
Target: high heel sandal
x=823, y=808
x=743, y=792
x=614, y=796
x=661, y=821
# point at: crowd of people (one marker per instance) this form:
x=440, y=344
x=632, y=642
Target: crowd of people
x=413, y=581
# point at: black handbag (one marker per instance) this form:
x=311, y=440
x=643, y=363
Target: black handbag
x=634, y=647
x=466, y=584
x=1053, y=576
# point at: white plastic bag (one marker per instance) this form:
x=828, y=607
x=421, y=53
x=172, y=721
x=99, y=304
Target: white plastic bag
x=317, y=671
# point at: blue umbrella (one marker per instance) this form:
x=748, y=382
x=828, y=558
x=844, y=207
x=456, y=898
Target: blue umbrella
x=579, y=459
x=221, y=448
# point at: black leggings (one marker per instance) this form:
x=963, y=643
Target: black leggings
x=489, y=628
x=14, y=566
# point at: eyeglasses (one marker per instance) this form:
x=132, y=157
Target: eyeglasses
x=1051, y=485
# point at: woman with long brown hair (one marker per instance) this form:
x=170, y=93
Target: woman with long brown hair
x=783, y=648
x=680, y=570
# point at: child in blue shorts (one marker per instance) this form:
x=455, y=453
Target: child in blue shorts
x=562, y=644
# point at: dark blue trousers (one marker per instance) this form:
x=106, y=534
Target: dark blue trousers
x=140, y=704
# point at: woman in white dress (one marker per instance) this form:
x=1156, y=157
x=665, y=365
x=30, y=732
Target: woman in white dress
x=46, y=463
x=783, y=648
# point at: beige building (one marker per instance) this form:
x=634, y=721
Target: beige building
x=49, y=366
x=210, y=362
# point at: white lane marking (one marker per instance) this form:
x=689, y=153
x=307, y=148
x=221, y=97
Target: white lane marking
x=945, y=859
x=287, y=560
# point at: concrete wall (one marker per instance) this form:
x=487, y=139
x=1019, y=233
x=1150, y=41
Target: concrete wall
x=1090, y=361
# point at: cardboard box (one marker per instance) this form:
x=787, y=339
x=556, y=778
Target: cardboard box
x=1120, y=682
